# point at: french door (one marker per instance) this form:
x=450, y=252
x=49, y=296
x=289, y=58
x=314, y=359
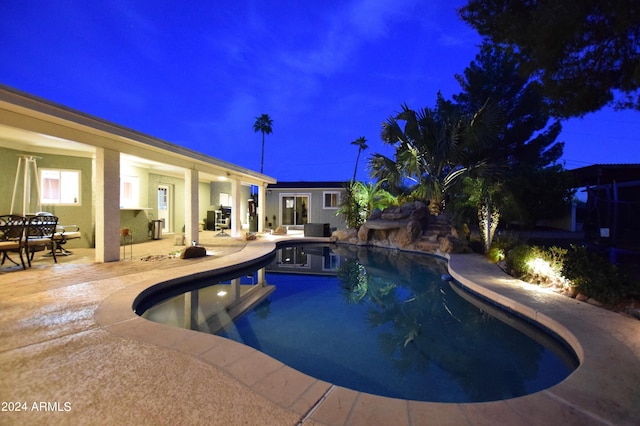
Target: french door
x=294, y=209
x=164, y=207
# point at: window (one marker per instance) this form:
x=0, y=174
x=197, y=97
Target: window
x=331, y=199
x=129, y=191
x=163, y=197
x=225, y=199
x=59, y=186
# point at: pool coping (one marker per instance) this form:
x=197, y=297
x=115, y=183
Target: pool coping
x=604, y=389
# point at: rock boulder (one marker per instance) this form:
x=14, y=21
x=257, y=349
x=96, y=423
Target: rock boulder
x=193, y=252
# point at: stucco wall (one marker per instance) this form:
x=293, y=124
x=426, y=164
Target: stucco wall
x=316, y=212
x=177, y=192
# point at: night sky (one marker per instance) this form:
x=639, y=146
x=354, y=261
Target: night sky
x=198, y=73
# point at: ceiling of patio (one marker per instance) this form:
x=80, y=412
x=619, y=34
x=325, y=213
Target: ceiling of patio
x=23, y=140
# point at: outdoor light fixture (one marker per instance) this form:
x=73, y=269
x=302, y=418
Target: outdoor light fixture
x=222, y=293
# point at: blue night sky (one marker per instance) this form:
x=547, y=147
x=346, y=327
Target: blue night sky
x=198, y=73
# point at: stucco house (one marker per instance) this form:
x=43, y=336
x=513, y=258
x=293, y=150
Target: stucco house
x=104, y=177
x=294, y=204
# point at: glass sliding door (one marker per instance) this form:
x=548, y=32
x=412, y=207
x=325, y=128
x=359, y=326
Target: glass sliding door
x=294, y=209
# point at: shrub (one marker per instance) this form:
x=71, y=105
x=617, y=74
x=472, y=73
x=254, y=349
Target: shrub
x=516, y=260
x=536, y=265
x=501, y=245
x=496, y=254
x=595, y=276
x=586, y=271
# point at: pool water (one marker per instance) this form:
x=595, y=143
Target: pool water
x=387, y=323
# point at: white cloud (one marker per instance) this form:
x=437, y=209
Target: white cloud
x=371, y=18
x=361, y=22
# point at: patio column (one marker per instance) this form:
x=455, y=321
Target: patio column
x=262, y=206
x=236, y=224
x=191, y=206
x=107, y=193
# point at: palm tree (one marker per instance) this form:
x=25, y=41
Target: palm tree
x=263, y=124
x=361, y=143
x=435, y=149
x=361, y=199
x=374, y=196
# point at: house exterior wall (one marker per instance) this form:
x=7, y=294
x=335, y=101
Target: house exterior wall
x=316, y=212
x=245, y=194
x=270, y=220
x=80, y=214
x=137, y=220
x=204, y=191
x=177, y=209
x=70, y=139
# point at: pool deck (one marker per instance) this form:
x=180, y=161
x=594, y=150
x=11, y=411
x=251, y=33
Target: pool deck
x=69, y=338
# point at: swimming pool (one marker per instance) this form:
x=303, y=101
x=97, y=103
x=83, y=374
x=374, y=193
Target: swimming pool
x=378, y=321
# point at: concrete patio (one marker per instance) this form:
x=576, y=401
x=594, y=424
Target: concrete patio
x=69, y=339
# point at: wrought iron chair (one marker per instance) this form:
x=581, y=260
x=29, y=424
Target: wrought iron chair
x=39, y=234
x=63, y=234
x=11, y=237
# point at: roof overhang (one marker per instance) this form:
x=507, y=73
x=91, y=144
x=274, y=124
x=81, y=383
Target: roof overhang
x=35, y=125
x=605, y=174
x=307, y=185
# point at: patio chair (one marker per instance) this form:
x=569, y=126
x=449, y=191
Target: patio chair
x=63, y=234
x=39, y=236
x=11, y=237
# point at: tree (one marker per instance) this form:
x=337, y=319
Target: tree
x=263, y=124
x=435, y=149
x=582, y=52
x=482, y=201
x=349, y=207
x=361, y=199
x=534, y=185
x=361, y=143
x=373, y=196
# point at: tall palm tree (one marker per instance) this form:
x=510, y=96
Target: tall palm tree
x=263, y=124
x=361, y=143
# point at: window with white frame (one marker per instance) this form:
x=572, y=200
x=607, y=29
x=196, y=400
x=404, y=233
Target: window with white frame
x=59, y=186
x=225, y=199
x=331, y=200
x=129, y=191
